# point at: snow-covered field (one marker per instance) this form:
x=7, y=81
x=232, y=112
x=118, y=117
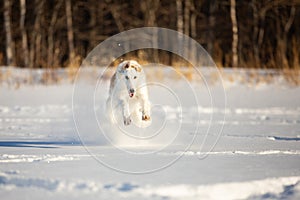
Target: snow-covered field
x=256, y=156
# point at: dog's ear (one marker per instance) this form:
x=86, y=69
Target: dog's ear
x=137, y=68
x=124, y=65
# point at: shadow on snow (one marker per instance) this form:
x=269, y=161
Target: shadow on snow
x=39, y=144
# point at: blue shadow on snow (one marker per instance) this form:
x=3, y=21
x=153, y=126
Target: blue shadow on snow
x=39, y=144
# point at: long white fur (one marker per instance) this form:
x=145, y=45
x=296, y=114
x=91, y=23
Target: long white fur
x=129, y=76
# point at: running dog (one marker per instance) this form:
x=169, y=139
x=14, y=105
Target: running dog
x=128, y=93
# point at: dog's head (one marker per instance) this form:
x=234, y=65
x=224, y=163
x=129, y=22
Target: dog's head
x=130, y=72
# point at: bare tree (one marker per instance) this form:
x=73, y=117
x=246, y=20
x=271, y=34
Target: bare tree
x=211, y=25
x=193, y=48
x=46, y=34
x=187, y=15
x=7, y=27
x=117, y=18
x=149, y=8
x=70, y=30
x=180, y=25
x=179, y=16
x=235, y=38
x=50, y=39
x=282, y=36
x=193, y=21
x=287, y=28
x=256, y=31
x=260, y=9
x=36, y=37
x=24, y=33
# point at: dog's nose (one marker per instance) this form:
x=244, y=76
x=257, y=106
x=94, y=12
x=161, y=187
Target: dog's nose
x=131, y=90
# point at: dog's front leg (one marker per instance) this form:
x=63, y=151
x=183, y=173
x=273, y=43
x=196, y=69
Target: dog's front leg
x=126, y=113
x=145, y=110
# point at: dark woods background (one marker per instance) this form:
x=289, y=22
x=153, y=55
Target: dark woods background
x=237, y=33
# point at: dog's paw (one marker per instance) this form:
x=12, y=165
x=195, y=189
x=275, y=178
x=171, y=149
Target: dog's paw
x=127, y=121
x=146, y=117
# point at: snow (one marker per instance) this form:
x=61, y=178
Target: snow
x=255, y=157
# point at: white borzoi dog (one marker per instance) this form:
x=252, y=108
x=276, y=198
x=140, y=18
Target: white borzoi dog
x=128, y=94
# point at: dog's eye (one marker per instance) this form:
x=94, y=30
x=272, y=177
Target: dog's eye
x=134, y=77
x=126, y=77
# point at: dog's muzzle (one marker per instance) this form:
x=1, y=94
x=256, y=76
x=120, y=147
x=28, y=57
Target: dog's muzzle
x=131, y=93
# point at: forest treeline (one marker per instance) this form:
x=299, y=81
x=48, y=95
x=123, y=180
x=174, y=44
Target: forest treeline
x=236, y=33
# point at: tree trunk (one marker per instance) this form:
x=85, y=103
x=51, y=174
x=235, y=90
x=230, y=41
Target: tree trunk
x=193, y=21
x=35, y=41
x=149, y=8
x=116, y=15
x=70, y=31
x=50, y=49
x=179, y=16
x=187, y=9
x=211, y=25
x=287, y=28
x=179, y=26
x=234, y=33
x=255, y=33
x=10, y=57
x=24, y=33
x=261, y=33
x=193, y=48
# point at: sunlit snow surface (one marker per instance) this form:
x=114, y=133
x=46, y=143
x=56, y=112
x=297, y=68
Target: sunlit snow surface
x=42, y=156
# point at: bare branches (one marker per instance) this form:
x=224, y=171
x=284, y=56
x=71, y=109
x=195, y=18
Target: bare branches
x=116, y=15
x=290, y=20
x=40, y=33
